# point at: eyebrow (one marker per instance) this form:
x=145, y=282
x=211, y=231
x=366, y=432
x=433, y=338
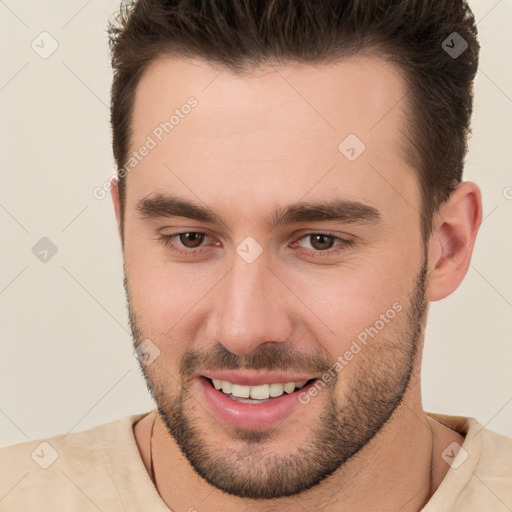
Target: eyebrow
x=339, y=210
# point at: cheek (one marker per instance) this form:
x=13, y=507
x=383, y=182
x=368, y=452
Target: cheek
x=352, y=305
x=361, y=327
x=168, y=299
x=156, y=295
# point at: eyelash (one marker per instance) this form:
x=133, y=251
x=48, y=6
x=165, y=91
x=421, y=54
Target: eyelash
x=344, y=244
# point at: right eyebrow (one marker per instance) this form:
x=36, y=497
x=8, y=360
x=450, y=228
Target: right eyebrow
x=170, y=206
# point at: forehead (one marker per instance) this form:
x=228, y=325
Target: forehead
x=284, y=130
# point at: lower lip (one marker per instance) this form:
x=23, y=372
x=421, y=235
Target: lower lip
x=250, y=416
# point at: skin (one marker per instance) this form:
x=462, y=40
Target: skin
x=250, y=146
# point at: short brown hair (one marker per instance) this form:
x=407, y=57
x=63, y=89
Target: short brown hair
x=243, y=34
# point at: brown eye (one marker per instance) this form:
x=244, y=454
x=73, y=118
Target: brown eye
x=321, y=242
x=191, y=239
x=323, y=245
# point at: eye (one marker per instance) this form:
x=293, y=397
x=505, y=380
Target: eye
x=320, y=241
x=323, y=243
x=190, y=240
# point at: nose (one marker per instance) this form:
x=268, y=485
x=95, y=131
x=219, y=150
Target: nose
x=252, y=307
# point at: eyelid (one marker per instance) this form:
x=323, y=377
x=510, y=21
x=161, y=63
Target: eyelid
x=335, y=234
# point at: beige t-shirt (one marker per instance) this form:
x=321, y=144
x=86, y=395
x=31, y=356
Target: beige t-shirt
x=101, y=469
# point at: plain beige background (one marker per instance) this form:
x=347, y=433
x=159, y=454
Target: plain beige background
x=66, y=358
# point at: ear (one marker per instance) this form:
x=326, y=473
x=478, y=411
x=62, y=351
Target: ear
x=116, y=200
x=453, y=237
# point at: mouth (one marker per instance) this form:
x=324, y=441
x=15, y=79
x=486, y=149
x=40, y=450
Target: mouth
x=257, y=406
x=258, y=394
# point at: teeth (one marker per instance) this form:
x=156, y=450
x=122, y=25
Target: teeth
x=247, y=400
x=241, y=391
x=289, y=387
x=276, y=390
x=226, y=386
x=261, y=392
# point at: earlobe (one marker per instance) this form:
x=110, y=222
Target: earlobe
x=452, y=241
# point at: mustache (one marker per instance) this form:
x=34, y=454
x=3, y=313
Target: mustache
x=269, y=357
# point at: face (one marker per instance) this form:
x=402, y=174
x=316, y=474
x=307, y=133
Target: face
x=264, y=245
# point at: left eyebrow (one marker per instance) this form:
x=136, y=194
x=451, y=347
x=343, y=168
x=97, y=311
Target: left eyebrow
x=338, y=210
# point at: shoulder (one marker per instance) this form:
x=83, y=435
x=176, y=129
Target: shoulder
x=70, y=469
x=493, y=472
x=480, y=476
x=490, y=485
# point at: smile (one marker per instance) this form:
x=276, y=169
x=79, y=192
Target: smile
x=255, y=394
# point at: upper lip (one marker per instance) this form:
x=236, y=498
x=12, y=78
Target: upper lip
x=245, y=378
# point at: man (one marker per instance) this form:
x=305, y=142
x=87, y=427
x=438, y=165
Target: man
x=289, y=201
